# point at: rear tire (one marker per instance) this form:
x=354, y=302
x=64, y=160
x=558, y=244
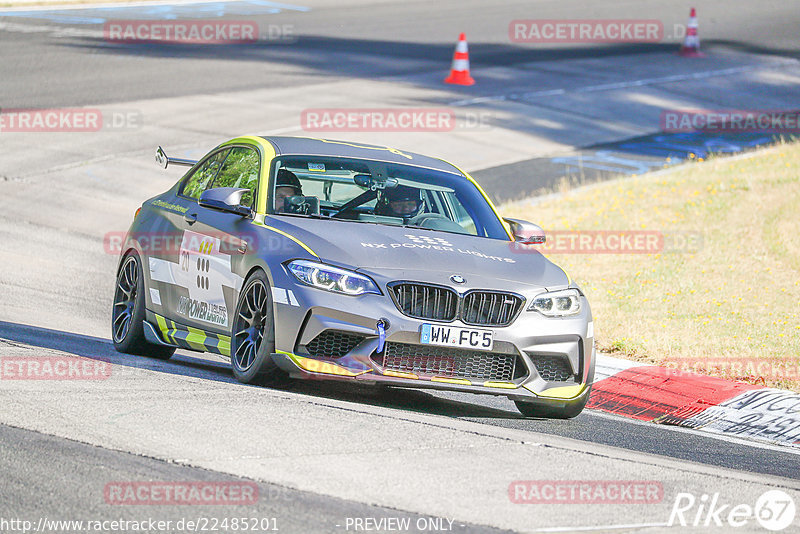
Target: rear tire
x=530, y=409
x=253, y=334
x=127, y=314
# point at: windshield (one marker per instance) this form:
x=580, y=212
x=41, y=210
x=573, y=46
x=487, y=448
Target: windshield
x=381, y=193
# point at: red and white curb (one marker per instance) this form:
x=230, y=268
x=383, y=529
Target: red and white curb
x=671, y=397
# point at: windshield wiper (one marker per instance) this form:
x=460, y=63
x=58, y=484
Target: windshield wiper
x=309, y=215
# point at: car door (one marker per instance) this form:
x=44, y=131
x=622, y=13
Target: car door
x=212, y=246
x=169, y=273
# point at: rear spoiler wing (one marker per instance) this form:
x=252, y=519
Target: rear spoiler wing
x=163, y=161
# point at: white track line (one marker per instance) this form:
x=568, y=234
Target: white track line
x=721, y=437
x=65, y=7
x=623, y=85
x=603, y=527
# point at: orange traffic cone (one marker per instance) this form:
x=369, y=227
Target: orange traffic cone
x=691, y=44
x=459, y=72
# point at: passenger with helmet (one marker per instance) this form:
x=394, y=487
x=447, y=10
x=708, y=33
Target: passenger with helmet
x=287, y=185
x=400, y=201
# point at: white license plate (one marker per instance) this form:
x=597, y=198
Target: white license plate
x=454, y=336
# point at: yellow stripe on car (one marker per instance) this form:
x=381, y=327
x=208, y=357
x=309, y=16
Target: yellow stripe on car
x=485, y=197
x=448, y=380
x=196, y=338
x=224, y=345
x=564, y=392
x=267, y=155
x=400, y=375
x=569, y=280
x=504, y=385
x=365, y=147
x=317, y=366
x=162, y=326
x=259, y=221
x=173, y=329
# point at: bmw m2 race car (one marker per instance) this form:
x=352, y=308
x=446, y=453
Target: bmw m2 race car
x=343, y=261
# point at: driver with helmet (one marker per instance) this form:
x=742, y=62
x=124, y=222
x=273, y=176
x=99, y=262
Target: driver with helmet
x=400, y=201
x=287, y=185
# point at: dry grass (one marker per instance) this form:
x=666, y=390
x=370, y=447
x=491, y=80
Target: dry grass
x=733, y=300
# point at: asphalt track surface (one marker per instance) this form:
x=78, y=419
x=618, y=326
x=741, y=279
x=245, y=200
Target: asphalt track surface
x=590, y=425
x=353, y=40
x=33, y=482
x=46, y=60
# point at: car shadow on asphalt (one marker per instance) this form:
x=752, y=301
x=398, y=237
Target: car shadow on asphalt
x=412, y=400
x=23, y=337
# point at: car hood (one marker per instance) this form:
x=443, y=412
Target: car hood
x=409, y=253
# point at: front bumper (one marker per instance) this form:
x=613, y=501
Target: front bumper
x=553, y=357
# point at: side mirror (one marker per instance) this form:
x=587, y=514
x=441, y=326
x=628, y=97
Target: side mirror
x=525, y=232
x=227, y=199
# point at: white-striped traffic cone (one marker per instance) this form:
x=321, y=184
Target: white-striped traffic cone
x=691, y=43
x=459, y=72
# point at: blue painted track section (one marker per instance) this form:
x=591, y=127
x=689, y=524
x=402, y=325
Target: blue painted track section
x=197, y=10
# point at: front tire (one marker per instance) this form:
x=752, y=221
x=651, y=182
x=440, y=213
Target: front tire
x=253, y=335
x=127, y=315
x=530, y=409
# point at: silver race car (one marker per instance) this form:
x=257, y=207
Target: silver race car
x=343, y=261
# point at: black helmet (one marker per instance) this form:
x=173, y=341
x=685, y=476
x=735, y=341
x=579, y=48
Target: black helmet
x=288, y=179
x=400, y=193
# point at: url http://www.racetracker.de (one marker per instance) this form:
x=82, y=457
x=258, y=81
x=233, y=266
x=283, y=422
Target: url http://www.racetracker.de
x=195, y=524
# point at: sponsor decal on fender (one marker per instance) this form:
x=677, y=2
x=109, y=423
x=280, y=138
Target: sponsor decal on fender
x=203, y=311
x=204, y=269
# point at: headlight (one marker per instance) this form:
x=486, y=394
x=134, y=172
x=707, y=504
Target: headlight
x=332, y=278
x=557, y=303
